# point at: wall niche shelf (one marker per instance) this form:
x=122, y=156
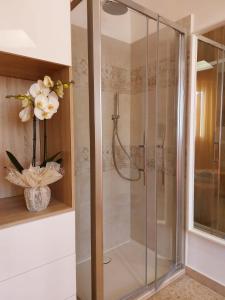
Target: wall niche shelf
x=17, y=73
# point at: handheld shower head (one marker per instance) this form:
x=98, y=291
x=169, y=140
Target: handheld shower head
x=114, y=8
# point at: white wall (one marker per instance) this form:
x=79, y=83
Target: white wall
x=39, y=29
x=206, y=255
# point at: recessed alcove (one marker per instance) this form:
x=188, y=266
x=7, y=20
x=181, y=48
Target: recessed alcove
x=17, y=73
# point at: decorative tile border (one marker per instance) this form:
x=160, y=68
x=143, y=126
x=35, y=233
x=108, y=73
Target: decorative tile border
x=124, y=80
x=168, y=165
x=80, y=72
x=116, y=79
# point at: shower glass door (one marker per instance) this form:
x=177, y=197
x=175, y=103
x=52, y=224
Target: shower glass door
x=124, y=98
x=168, y=166
x=140, y=120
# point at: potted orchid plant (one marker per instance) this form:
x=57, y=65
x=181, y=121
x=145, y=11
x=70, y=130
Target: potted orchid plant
x=40, y=103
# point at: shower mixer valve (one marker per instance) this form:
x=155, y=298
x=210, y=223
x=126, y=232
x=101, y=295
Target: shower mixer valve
x=115, y=117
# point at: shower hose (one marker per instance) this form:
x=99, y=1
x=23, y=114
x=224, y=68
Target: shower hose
x=116, y=136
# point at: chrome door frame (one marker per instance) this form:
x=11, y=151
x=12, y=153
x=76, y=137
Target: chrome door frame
x=181, y=139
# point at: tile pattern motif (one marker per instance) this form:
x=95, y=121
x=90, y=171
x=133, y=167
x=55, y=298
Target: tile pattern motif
x=130, y=82
x=124, y=80
x=187, y=288
x=166, y=163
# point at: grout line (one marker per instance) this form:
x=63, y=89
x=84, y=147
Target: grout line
x=38, y=267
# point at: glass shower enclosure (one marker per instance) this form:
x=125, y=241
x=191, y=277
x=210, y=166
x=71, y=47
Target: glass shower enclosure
x=136, y=66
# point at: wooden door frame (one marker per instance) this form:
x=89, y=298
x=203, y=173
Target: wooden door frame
x=95, y=123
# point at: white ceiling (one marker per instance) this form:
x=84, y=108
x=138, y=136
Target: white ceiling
x=130, y=27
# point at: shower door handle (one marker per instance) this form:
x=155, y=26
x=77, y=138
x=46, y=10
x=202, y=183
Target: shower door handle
x=161, y=147
x=143, y=162
x=143, y=148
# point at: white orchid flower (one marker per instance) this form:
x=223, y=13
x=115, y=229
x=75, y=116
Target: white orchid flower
x=34, y=90
x=48, y=82
x=39, y=88
x=26, y=101
x=42, y=114
x=41, y=101
x=53, y=103
x=26, y=113
x=59, y=88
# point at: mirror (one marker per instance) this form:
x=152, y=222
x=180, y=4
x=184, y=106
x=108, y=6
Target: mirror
x=209, y=168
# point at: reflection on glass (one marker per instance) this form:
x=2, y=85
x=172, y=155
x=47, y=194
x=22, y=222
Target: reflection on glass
x=166, y=149
x=82, y=143
x=208, y=188
x=123, y=114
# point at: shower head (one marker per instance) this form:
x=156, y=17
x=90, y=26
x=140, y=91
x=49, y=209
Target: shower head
x=114, y=8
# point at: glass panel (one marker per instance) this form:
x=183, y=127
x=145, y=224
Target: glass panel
x=82, y=144
x=207, y=137
x=166, y=149
x=150, y=149
x=123, y=106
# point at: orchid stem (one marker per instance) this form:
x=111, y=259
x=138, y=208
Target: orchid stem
x=45, y=139
x=34, y=141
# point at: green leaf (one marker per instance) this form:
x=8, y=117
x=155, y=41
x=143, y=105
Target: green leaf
x=52, y=158
x=15, y=162
x=59, y=161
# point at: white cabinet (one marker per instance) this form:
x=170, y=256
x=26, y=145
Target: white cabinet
x=38, y=29
x=54, y=281
x=27, y=246
x=37, y=259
